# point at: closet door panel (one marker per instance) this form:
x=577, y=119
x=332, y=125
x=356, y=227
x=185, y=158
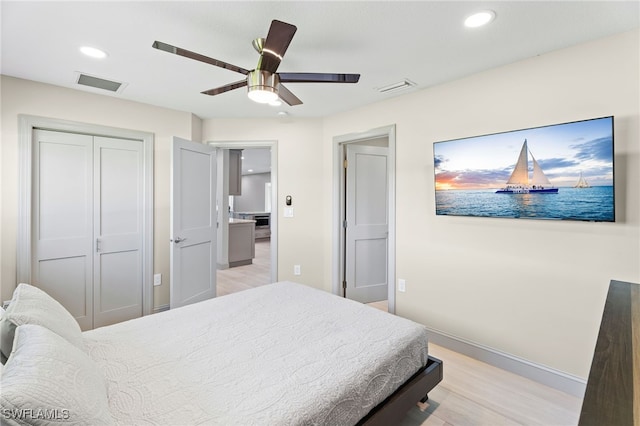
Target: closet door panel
x=65, y=279
x=118, y=222
x=65, y=186
x=119, y=185
x=119, y=281
x=62, y=237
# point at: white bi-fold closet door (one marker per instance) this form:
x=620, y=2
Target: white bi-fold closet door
x=87, y=225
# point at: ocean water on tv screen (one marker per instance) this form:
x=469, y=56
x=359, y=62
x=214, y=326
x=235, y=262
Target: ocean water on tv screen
x=592, y=204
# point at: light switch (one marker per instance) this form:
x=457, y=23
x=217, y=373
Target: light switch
x=157, y=279
x=288, y=212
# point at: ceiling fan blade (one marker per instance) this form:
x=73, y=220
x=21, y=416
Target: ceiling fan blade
x=225, y=88
x=198, y=57
x=317, y=77
x=286, y=95
x=275, y=45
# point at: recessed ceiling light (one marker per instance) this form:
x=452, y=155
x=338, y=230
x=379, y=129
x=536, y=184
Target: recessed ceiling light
x=480, y=18
x=93, y=52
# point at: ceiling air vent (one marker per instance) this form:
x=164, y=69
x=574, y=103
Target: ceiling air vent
x=99, y=83
x=397, y=87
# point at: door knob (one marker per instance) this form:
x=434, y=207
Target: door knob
x=178, y=240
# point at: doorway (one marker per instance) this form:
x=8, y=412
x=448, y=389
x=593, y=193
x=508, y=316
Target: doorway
x=364, y=216
x=257, y=201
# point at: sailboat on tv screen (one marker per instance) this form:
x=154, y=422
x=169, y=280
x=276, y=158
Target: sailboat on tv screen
x=519, y=182
x=582, y=182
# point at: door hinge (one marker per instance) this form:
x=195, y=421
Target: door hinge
x=344, y=224
x=345, y=164
x=98, y=245
x=344, y=288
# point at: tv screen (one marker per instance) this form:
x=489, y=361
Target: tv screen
x=560, y=171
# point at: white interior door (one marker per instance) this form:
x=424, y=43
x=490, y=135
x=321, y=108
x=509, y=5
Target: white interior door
x=193, y=223
x=62, y=230
x=367, y=223
x=118, y=230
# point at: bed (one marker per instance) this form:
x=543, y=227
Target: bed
x=281, y=354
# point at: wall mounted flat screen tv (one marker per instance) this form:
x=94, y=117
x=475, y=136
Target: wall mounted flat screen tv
x=562, y=171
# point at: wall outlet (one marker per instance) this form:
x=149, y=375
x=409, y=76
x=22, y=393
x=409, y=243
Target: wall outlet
x=402, y=285
x=157, y=279
x=296, y=269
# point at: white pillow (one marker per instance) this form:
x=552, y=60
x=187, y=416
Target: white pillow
x=30, y=305
x=48, y=381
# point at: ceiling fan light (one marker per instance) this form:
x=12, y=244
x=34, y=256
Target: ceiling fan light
x=261, y=86
x=262, y=94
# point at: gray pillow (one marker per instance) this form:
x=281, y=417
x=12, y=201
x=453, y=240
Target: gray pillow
x=48, y=381
x=30, y=305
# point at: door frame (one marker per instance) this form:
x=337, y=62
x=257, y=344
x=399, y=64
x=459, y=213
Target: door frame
x=26, y=125
x=339, y=144
x=223, y=204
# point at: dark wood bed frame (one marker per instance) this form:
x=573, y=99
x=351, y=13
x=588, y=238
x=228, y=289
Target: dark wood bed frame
x=393, y=409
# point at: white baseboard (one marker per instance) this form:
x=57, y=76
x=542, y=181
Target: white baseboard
x=556, y=379
x=160, y=308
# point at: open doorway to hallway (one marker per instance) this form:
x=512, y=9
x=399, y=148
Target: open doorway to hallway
x=253, y=200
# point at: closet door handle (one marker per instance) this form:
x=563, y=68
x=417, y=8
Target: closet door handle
x=178, y=240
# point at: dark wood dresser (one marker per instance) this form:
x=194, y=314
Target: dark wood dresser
x=612, y=397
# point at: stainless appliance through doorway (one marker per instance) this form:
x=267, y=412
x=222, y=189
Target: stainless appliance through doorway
x=263, y=225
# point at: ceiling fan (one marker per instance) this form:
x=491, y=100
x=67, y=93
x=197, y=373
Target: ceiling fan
x=263, y=83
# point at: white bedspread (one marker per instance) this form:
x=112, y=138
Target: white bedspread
x=282, y=354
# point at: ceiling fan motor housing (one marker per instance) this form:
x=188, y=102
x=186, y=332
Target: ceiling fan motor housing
x=263, y=86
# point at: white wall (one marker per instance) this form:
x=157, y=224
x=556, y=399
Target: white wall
x=27, y=97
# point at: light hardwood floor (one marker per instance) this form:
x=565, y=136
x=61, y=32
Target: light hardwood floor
x=475, y=393
x=471, y=393
x=248, y=276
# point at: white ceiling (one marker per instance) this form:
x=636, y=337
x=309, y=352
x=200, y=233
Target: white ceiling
x=384, y=41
